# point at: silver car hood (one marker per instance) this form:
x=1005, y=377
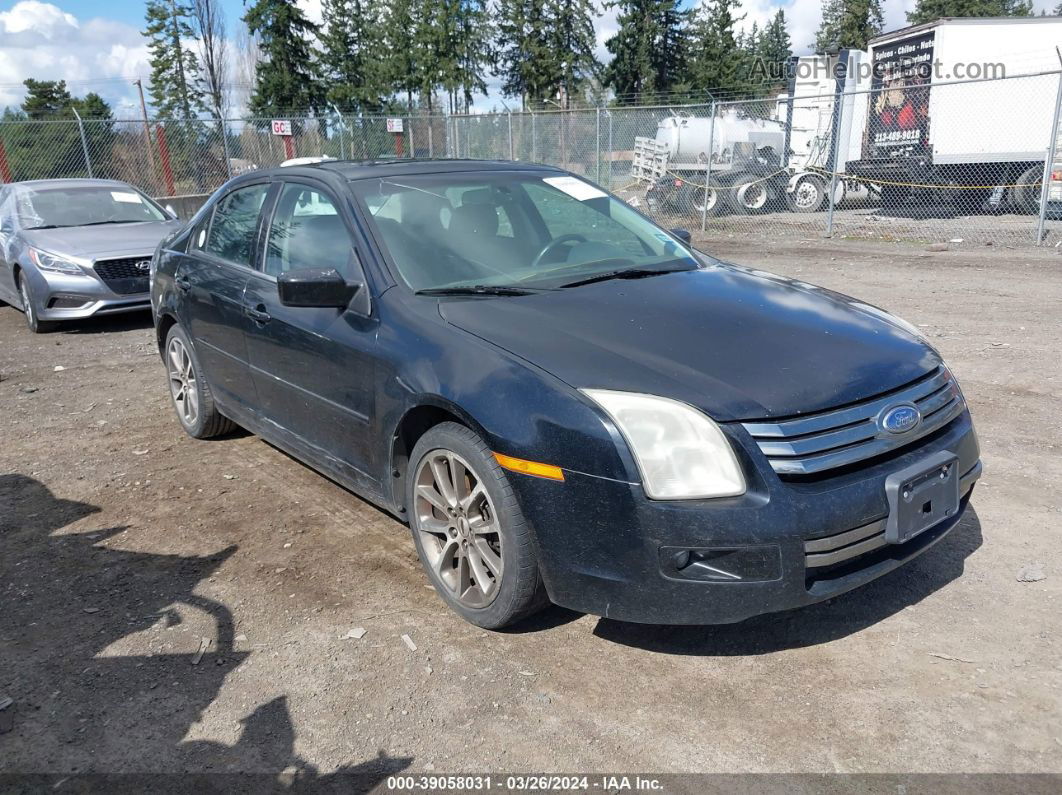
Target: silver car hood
x=103, y=241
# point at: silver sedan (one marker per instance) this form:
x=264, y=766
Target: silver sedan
x=73, y=248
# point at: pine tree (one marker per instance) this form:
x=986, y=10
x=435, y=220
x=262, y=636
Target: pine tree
x=717, y=63
x=351, y=40
x=397, y=33
x=775, y=47
x=174, y=68
x=572, y=24
x=476, y=32
x=649, y=50
x=46, y=99
x=527, y=61
x=848, y=24
x=932, y=10
x=286, y=74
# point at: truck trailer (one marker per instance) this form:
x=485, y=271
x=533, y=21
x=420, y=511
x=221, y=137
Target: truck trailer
x=942, y=128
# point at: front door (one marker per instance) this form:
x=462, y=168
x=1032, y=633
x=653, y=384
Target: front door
x=313, y=367
x=211, y=279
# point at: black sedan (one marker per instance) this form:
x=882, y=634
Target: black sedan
x=565, y=402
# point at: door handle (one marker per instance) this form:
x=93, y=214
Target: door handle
x=183, y=283
x=258, y=314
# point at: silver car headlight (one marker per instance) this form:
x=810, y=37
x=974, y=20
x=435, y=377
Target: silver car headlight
x=54, y=263
x=681, y=453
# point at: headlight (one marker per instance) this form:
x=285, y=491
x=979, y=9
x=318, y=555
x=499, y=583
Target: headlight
x=681, y=453
x=53, y=263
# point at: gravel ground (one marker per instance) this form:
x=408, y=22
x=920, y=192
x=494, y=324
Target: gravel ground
x=124, y=543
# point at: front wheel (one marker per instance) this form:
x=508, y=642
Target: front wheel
x=808, y=196
x=29, y=309
x=470, y=534
x=711, y=202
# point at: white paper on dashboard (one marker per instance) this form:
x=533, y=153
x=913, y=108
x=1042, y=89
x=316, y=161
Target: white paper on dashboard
x=125, y=196
x=576, y=188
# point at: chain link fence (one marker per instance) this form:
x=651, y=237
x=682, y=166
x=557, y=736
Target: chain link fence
x=971, y=162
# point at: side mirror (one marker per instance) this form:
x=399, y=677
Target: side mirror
x=683, y=235
x=173, y=213
x=319, y=287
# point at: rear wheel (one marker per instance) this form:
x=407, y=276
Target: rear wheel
x=192, y=397
x=29, y=309
x=712, y=201
x=1025, y=196
x=752, y=194
x=470, y=534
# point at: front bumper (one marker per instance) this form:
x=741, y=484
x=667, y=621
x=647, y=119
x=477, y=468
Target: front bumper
x=59, y=296
x=606, y=549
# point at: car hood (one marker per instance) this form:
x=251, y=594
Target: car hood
x=106, y=240
x=736, y=343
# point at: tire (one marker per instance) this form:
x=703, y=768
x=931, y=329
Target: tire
x=34, y=323
x=1025, y=198
x=190, y=393
x=454, y=529
x=753, y=195
x=808, y=196
x=718, y=199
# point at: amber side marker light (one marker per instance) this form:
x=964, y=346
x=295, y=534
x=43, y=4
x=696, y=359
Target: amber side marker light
x=529, y=467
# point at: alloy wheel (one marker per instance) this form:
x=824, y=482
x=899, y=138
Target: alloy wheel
x=27, y=302
x=458, y=528
x=182, y=382
x=807, y=195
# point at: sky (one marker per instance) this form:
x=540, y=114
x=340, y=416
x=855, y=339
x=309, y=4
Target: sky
x=95, y=45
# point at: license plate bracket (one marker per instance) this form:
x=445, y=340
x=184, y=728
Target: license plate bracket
x=921, y=496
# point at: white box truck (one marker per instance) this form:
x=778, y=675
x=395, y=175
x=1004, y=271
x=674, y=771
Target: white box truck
x=940, y=130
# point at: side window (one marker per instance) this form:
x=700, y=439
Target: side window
x=307, y=232
x=232, y=232
x=563, y=216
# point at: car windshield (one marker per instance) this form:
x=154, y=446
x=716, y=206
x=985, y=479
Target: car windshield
x=524, y=230
x=47, y=208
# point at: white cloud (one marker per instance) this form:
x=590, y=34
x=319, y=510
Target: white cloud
x=42, y=41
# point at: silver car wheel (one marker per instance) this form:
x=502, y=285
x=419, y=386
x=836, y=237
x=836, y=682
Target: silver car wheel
x=458, y=528
x=183, y=385
x=27, y=302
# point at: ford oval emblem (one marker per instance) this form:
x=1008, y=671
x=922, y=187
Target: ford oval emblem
x=900, y=419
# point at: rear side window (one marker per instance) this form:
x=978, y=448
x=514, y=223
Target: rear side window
x=235, y=221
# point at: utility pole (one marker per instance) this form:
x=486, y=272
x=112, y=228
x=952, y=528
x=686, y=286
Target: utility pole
x=143, y=111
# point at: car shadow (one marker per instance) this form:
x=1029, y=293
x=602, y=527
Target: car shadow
x=104, y=679
x=107, y=324
x=827, y=621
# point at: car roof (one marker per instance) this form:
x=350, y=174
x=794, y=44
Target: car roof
x=366, y=169
x=46, y=184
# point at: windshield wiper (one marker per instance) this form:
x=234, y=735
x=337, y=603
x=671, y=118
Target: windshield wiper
x=100, y=223
x=625, y=273
x=477, y=289
x=46, y=226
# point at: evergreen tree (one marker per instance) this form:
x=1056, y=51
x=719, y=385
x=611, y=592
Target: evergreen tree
x=286, y=74
x=775, y=46
x=572, y=24
x=174, y=67
x=649, y=50
x=527, y=60
x=397, y=32
x=476, y=32
x=932, y=10
x=848, y=24
x=717, y=63
x=351, y=40
x=46, y=99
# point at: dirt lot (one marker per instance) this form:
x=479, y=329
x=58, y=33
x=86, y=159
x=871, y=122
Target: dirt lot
x=123, y=543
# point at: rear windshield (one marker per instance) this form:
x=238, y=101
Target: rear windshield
x=510, y=229
x=48, y=208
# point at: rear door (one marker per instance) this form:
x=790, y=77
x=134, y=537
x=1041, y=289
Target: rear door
x=211, y=279
x=313, y=367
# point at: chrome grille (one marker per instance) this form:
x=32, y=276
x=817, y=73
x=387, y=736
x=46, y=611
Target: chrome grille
x=820, y=442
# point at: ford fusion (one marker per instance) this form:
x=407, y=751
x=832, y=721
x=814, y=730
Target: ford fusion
x=73, y=248
x=564, y=401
